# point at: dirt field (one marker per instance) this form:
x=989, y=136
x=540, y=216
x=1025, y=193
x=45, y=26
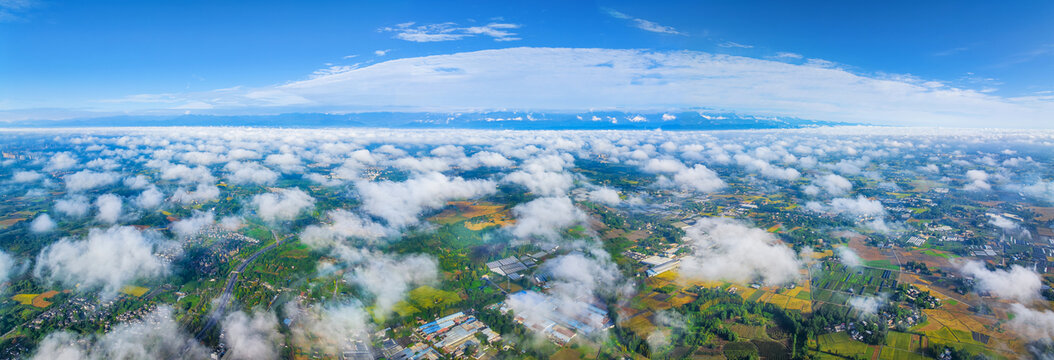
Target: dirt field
x=484, y=215
x=866, y=252
x=1043, y=214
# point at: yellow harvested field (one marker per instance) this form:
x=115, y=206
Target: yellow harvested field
x=136, y=291
x=799, y=304
x=667, y=276
x=641, y=325
x=463, y=210
x=681, y=300
x=5, y=223
x=747, y=292
x=500, y=219
x=949, y=320
x=38, y=300
x=778, y=300
x=25, y=299
x=652, y=303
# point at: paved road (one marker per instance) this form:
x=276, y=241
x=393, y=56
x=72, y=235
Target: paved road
x=232, y=281
x=496, y=285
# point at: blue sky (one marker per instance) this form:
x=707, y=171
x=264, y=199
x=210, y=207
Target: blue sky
x=66, y=59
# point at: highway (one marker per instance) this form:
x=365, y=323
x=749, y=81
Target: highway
x=232, y=281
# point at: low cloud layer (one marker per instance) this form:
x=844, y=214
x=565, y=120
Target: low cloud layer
x=251, y=336
x=156, y=336
x=342, y=225
x=388, y=278
x=729, y=250
x=545, y=217
x=283, y=204
x=400, y=203
x=1035, y=325
x=128, y=254
x=849, y=257
x=1018, y=283
x=867, y=305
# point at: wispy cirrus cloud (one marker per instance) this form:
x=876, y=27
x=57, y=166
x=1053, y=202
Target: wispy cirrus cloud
x=450, y=31
x=788, y=55
x=732, y=44
x=15, y=10
x=643, y=24
x=952, y=51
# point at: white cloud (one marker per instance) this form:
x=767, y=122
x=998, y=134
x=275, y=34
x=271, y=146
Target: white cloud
x=399, y=203
x=1035, y=325
x=190, y=226
x=75, y=206
x=725, y=249
x=858, y=206
x=867, y=305
x=87, y=179
x=127, y=253
x=849, y=257
x=388, y=278
x=26, y=176
x=381, y=52
x=1018, y=283
x=605, y=195
x=8, y=267
x=286, y=161
x=643, y=24
x=150, y=198
x=201, y=193
x=977, y=180
x=342, y=225
x=137, y=182
x=1043, y=190
x=930, y=168
x=1002, y=222
x=42, y=224
x=284, y=204
x=231, y=223
x=788, y=55
x=249, y=173
x=109, y=206
x=156, y=336
x=732, y=44
x=833, y=184
x=569, y=79
x=699, y=178
x=423, y=165
x=327, y=327
x=663, y=166
x=546, y=183
x=61, y=161
x=251, y=336
x=765, y=168
x=576, y=281
x=545, y=217
x=200, y=157
x=449, y=31
x=485, y=159
x=186, y=175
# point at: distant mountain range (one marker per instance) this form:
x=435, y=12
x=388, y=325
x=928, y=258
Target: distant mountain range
x=496, y=120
